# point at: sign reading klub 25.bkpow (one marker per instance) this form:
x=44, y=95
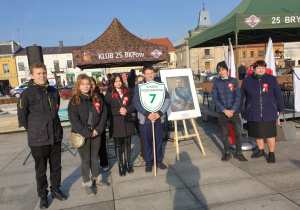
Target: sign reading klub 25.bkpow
x=152, y=95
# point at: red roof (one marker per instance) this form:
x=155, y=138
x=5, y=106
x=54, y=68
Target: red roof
x=162, y=41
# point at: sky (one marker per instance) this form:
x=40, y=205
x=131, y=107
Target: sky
x=76, y=23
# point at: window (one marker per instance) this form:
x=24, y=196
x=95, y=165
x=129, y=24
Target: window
x=69, y=63
x=243, y=54
x=207, y=51
x=56, y=66
x=21, y=66
x=260, y=53
x=5, y=68
x=252, y=54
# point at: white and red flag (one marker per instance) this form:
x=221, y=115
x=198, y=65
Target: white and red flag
x=269, y=59
x=231, y=66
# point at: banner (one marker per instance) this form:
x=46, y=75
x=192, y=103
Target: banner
x=231, y=67
x=296, y=84
x=269, y=59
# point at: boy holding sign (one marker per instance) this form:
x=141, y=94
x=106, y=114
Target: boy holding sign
x=146, y=116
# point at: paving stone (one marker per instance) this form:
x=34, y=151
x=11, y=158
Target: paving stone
x=17, y=179
x=146, y=186
x=211, y=175
x=18, y=192
x=230, y=191
x=19, y=204
x=200, y=163
x=274, y=202
x=282, y=182
x=293, y=196
x=103, y=206
x=139, y=173
x=261, y=167
x=172, y=199
x=78, y=198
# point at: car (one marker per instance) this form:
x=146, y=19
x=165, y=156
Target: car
x=67, y=87
x=212, y=77
x=203, y=73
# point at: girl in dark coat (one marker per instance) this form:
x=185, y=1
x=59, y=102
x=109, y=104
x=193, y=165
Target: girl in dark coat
x=119, y=101
x=87, y=114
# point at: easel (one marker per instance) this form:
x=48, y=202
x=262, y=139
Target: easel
x=176, y=138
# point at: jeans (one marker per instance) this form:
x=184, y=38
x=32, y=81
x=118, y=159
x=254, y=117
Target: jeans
x=235, y=121
x=89, y=158
x=41, y=154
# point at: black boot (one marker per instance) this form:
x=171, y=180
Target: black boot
x=119, y=155
x=129, y=168
x=122, y=171
x=127, y=152
x=271, y=158
x=259, y=153
x=43, y=202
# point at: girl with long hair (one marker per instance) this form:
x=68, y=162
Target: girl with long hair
x=87, y=115
x=119, y=100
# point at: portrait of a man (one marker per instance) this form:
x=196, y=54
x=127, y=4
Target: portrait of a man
x=181, y=97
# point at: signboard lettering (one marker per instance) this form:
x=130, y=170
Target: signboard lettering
x=152, y=95
x=106, y=56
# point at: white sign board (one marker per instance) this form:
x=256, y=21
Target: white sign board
x=152, y=95
x=182, y=91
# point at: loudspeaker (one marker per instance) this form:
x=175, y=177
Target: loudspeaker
x=34, y=54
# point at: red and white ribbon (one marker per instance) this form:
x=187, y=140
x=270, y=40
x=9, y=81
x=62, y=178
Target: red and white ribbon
x=230, y=85
x=265, y=86
x=125, y=99
x=97, y=105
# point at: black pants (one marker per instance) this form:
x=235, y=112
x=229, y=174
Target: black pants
x=102, y=151
x=123, y=144
x=41, y=155
x=89, y=158
x=235, y=121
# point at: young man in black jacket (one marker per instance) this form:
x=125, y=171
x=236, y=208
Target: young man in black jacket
x=38, y=113
x=227, y=96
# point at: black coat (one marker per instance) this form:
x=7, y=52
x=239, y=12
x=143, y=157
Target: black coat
x=120, y=127
x=79, y=114
x=38, y=113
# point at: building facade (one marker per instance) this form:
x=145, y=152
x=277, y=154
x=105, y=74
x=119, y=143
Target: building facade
x=291, y=52
x=8, y=69
x=59, y=61
x=248, y=54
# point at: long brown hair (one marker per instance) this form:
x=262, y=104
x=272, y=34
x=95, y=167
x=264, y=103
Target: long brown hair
x=77, y=92
x=114, y=90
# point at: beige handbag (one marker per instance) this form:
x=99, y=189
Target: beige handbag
x=77, y=140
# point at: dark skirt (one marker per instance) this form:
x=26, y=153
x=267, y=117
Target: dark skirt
x=262, y=130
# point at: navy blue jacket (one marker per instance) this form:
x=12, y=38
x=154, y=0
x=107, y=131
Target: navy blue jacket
x=263, y=98
x=225, y=97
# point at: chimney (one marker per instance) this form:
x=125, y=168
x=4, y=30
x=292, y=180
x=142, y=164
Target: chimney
x=148, y=37
x=61, y=44
x=141, y=36
x=34, y=45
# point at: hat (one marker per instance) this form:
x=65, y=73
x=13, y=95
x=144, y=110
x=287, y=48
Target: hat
x=223, y=65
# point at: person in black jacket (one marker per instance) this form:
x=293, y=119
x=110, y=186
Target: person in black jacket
x=38, y=113
x=87, y=114
x=131, y=79
x=119, y=101
x=102, y=151
x=226, y=96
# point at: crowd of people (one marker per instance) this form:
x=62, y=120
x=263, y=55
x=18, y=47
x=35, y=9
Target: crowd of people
x=121, y=108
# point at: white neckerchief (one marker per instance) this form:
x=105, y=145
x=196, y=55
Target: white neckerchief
x=120, y=93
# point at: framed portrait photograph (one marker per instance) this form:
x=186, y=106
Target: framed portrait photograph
x=182, y=91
